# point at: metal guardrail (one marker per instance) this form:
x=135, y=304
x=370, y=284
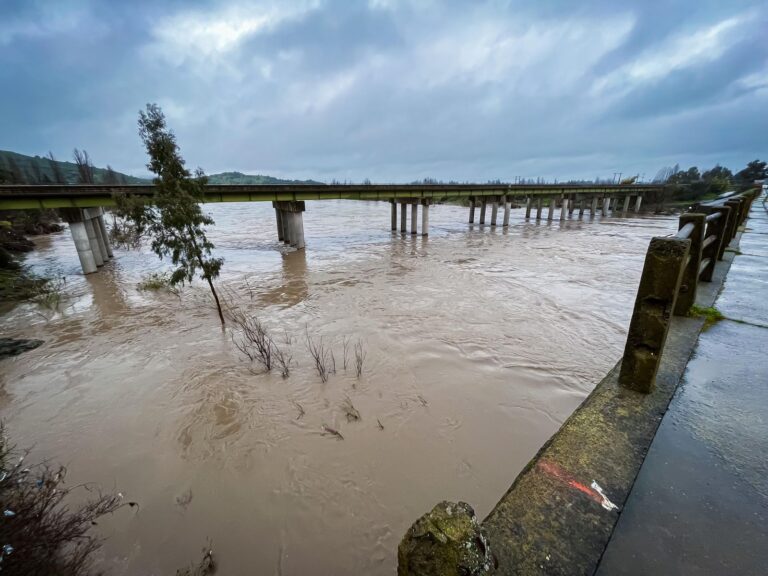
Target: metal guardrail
x=673, y=268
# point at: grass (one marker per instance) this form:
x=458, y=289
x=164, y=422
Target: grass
x=711, y=314
x=157, y=281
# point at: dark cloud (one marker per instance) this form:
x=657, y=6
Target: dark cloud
x=392, y=90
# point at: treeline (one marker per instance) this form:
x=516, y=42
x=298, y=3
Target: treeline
x=692, y=184
x=21, y=169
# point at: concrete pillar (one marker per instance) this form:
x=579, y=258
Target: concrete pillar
x=638, y=201
x=551, y=212
x=593, y=207
x=507, y=207
x=393, y=208
x=91, y=231
x=425, y=219
x=83, y=246
x=297, y=230
x=414, y=217
x=100, y=239
x=655, y=301
x=494, y=212
x=539, y=205
x=564, y=209
x=285, y=218
x=105, y=236
x=581, y=207
x=571, y=205
x=625, y=209
x=482, y=211
x=606, y=205
x=528, y=208
x=471, y=210
x=403, y=217
x=279, y=222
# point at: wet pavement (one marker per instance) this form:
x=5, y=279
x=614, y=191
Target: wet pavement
x=700, y=502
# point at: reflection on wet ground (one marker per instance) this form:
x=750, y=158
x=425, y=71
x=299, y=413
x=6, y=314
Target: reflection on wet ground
x=479, y=341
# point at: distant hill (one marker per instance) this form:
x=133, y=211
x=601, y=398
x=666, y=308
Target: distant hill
x=22, y=169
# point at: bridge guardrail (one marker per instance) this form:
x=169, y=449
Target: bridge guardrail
x=672, y=270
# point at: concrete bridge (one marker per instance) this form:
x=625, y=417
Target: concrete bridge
x=82, y=206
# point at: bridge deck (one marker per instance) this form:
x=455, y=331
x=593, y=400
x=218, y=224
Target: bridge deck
x=20, y=197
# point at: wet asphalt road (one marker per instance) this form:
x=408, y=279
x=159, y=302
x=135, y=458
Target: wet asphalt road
x=700, y=502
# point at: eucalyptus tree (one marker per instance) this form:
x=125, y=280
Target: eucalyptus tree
x=173, y=218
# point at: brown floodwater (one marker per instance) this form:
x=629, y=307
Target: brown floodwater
x=479, y=342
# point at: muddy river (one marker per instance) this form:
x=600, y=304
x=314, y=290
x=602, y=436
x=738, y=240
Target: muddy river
x=479, y=343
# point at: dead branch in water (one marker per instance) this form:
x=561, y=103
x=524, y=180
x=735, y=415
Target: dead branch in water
x=381, y=426
x=252, y=338
x=332, y=432
x=360, y=355
x=301, y=410
x=352, y=414
x=319, y=354
x=345, y=346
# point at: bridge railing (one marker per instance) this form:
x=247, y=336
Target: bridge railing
x=672, y=270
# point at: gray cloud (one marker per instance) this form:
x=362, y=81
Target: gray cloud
x=392, y=90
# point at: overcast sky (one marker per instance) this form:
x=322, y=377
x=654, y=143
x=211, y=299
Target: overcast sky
x=392, y=90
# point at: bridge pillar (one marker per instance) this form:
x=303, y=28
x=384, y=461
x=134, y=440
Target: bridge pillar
x=472, y=210
x=104, y=233
x=403, y=217
x=539, y=204
x=494, y=211
x=425, y=217
x=606, y=205
x=581, y=207
x=593, y=207
x=93, y=214
x=414, y=217
x=571, y=204
x=528, y=208
x=551, y=212
x=507, y=206
x=91, y=231
x=291, y=222
x=83, y=246
x=563, y=209
x=482, y=211
x=638, y=201
x=279, y=219
x=393, y=209
x=625, y=209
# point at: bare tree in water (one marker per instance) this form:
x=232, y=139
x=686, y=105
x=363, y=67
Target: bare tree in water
x=173, y=218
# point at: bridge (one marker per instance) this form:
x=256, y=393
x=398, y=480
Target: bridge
x=82, y=205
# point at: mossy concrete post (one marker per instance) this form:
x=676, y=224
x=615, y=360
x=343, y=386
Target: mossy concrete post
x=472, y=210
x=448, y=541
x=687, y=294
x=655, y=301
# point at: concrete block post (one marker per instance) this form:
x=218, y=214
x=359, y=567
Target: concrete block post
x=507, y=207
x=393, y=209
x=83, y=246
x=539, y=205
x=414, y=217
x=528, y=208
x=425, y=219
x=551, y=211
x=403, y=217
x=690, y=279
x=564, y=209
x=638, y=202
x=472, y=210
x=91, y=231
x=482, y=211
x=494, y=212
x=713, y=238
x=655, y=301
x=593, y=207
x=105, y=235
x=625, y=209
x=727, y=218
x=606, y=206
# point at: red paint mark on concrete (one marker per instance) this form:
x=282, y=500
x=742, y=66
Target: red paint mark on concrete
x=557, y=472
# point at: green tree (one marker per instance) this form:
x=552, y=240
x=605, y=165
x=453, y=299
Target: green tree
x=755, y=170
x=173, y=218
x=718, y=179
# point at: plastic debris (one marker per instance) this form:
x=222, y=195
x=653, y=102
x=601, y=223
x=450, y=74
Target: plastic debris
x=9, y=513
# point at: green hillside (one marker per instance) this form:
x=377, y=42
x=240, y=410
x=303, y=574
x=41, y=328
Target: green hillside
x=21, y=169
